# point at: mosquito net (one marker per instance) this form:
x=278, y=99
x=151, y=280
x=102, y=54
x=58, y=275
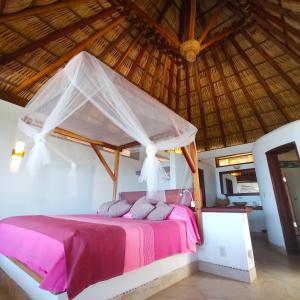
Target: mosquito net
x=90, y=99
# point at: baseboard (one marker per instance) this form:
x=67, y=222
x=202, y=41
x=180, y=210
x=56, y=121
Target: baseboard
x=157, y=285
x=228, y=272
x=11, y=288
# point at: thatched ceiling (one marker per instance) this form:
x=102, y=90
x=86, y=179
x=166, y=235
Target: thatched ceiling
x=245, y=81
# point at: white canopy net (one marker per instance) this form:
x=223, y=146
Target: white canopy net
x=90, y=99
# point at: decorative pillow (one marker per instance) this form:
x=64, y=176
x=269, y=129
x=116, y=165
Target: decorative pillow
x=161, y=212
x=119, y=208
x=104, y=207
x=141, y=208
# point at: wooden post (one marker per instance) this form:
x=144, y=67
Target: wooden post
x=196, y=189
x=116, y=174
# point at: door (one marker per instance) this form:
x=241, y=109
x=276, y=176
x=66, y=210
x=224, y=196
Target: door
x=229, y=186
x=284, y=205
x=202, y=186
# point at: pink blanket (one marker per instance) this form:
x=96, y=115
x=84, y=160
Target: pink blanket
x=53, y=252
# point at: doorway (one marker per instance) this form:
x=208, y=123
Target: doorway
x=202, y=186
x=284, y=165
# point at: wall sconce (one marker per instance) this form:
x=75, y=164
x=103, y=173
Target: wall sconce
x=17, y=155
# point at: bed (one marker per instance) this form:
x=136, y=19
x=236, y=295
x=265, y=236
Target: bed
x=70, y=253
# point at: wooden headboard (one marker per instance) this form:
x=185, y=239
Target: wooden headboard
x=172, y=196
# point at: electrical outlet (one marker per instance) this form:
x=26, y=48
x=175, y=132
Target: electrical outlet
x=222, y=251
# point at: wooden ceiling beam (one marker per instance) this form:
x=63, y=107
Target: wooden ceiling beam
x=275, y=20
x=261, y=80
x=136, y=62
x=214, y=98
x=192, y=19
x=183, y=20
x=158, y=64
x=271, y=61
x=200, y=104
x=248, y=97
x=221, y=36
x=63, y=59
x=170, y=86
x=11, y=98
x=2, y=6
x=164, y=10
x=212, y=20
x=177, y=89
x=40, y=10
x=229, y=94
x=163, y=81
x=171, y=38
x=147, y=67
x=56, y=35
x=188, y=95
x=127, y=52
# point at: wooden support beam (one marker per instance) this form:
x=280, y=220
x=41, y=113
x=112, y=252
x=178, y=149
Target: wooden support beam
x=212, y=21
x=158, y=63
x=163, y=81
x=63, y=59
x=178, y=88
x=136, y=62
x=164, y=10
x=31, y=11
x=214, y=98
x=229, y=94
x=188, y=95
x=189, y=159
x=56, y=35
x=127, y=52
x=147, y=67
x=103, y=161
x=116, y=174
x=192, y=19
x=223, y=35
x=170, y=87
x=197, y=193
x=248, y=97
x=275, y=20
x=200, y=103
x=261, y=80
x=171, y=38
x=271, y=61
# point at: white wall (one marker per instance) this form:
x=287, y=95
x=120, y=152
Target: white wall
x=52, y=191
x=283, y=135
x=227, y=240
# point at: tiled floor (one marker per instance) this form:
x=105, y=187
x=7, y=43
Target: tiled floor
x=278, y=278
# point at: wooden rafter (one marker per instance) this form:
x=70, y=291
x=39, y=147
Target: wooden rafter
x=40, y=9
x=177, y=89
x=192, y=19
x=183, y=20
x=188, y=95
x=211, y=22
x=214, y=98
x=147, y=67
x=224, y=34
x=63, y=59
x=271, y=61
x=228, y=94
x=170, y=87
x=127, y=52
x=56, y=35
x=200, y=103
x=158, y=64
x=163, y=81
x=2, y=6
x=171, y=38
x=136, y=62
x=9, y=97
x=248, y=97
x=261, y=80
x=164, y=10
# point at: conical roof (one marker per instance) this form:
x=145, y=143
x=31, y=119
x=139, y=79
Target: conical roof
x=243, y=83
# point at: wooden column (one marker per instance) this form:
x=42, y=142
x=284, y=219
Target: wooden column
x=116, y=174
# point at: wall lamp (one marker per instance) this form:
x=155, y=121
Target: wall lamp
x=17, y=155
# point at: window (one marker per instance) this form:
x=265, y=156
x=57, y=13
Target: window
x=238, y=159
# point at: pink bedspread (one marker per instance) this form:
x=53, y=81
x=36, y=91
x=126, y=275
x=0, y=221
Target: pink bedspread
x=47, y=251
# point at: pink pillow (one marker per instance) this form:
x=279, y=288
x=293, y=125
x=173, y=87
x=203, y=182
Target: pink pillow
x=127, y=215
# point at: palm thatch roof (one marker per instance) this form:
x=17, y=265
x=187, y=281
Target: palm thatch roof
x=244, y=82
